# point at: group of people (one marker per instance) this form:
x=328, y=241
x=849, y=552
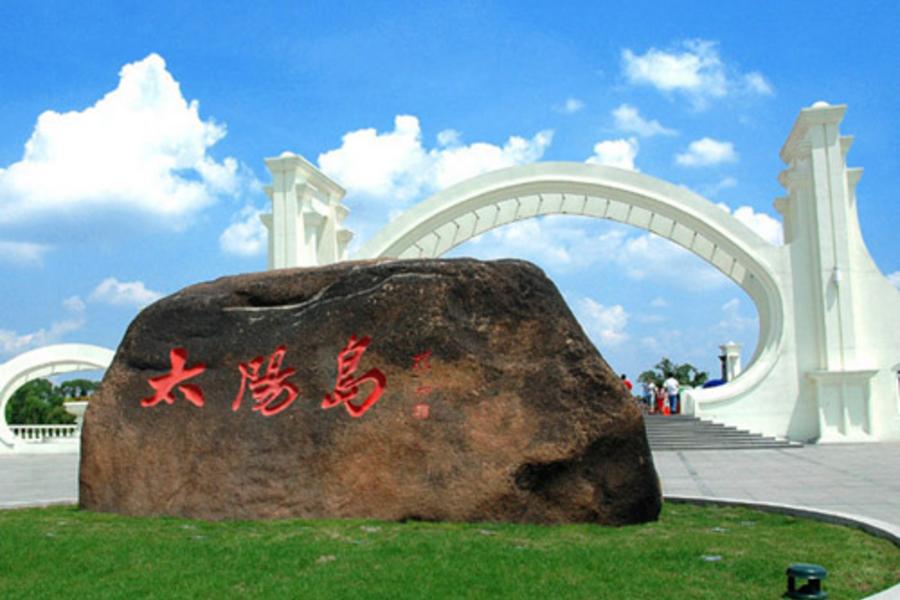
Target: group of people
x=659, y=399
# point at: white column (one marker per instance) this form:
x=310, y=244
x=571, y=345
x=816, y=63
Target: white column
x=818, y=227
x=732, y=353
x=822, y=234
x=304, y=227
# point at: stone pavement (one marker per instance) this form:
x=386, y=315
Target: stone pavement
x=38, y=479
x=858, y=479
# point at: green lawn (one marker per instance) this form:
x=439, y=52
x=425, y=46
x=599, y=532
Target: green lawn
x=65, y=553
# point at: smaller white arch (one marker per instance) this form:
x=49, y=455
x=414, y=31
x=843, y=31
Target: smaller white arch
x=44, y=362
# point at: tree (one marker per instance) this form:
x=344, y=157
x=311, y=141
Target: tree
x=686, y=374
x=39, y=402
x=77, y=388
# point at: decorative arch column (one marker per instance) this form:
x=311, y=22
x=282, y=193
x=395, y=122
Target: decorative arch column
x=847, y=313
x=304, y=227
x=44, y=362
x=824, y=365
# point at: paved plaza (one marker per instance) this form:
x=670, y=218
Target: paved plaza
x=857, y=479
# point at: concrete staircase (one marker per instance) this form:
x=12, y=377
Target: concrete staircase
x=679, y=432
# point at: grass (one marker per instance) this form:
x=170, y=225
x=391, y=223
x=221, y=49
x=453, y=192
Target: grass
x=62, y=552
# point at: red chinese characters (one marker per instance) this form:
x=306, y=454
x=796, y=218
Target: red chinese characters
x=164, y=383
x=268, y=386
x=347, y=387
x=421, y=362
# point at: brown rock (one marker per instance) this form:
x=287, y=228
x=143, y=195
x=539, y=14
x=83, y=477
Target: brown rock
x=495, y=405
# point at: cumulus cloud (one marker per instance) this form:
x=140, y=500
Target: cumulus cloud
x=571, y=243
x=74, y=304
x=395, y=167
x=124, y=293
x=556, y=241
x=733, y=321
x=768, y=228
x=650, y=257
x=894, y=278
x=141, y=147
x=246, y=236
x=714, y=188
x=706, y=152
x=629, y=119
x=692, y=68
x=22, y=253
x=12, y=343
x=757, y=84
x=570, y=106
x=604, y=323
x=615, y=153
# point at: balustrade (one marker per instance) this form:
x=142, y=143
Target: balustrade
x=38, y=434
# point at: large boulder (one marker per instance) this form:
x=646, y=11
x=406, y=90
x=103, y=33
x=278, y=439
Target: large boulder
x=466, y=391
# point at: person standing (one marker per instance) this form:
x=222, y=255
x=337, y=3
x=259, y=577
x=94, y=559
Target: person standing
x=627, y=383
x=671, y=386
x=649, y=389
x=661, y=399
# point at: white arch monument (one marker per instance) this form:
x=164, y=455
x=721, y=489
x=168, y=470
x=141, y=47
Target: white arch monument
x=43, y=362
x=825, y=366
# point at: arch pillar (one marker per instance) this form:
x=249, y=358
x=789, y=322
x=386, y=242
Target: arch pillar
x=824, y=368
x=846, y=313
x=304, y=227
x=44, y=362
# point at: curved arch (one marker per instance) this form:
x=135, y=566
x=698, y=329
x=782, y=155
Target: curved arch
x=43, y=362
x=470, y=208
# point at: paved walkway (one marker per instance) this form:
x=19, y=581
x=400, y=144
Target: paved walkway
x=858, y=479
x=35, y=479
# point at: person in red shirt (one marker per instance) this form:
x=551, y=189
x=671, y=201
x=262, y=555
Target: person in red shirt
x=627, y=383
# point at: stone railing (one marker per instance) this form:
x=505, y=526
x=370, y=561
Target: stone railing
x=39, y=434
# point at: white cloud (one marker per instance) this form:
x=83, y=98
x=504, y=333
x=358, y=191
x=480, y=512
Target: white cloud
x=604, y=323
x=556, y=241
x=694, y=69
x=246, y=236
x=723, y=184
x=706, y=152
x=567, y=243
x=659, y=303
x=22, y=253
x=768, y=228
x=74, y=304
x=894, y=278
x=615, y=153
x=651, y=257
x=628, y=119
x=449, y=137
x=123, y=293
x=756, y=83
x=394, y=166
x=733, y=321
x=570, y=106
x=12, y=343
x=140, y=147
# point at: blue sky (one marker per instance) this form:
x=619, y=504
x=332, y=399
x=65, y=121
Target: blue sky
x=133, y=139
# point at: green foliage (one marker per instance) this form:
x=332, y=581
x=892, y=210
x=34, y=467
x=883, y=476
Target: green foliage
x=39, y=402
x=66, y=553
x=686, y=374
x=77, y=388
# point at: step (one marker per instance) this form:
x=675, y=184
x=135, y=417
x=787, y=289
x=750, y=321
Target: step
x=680, y=432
